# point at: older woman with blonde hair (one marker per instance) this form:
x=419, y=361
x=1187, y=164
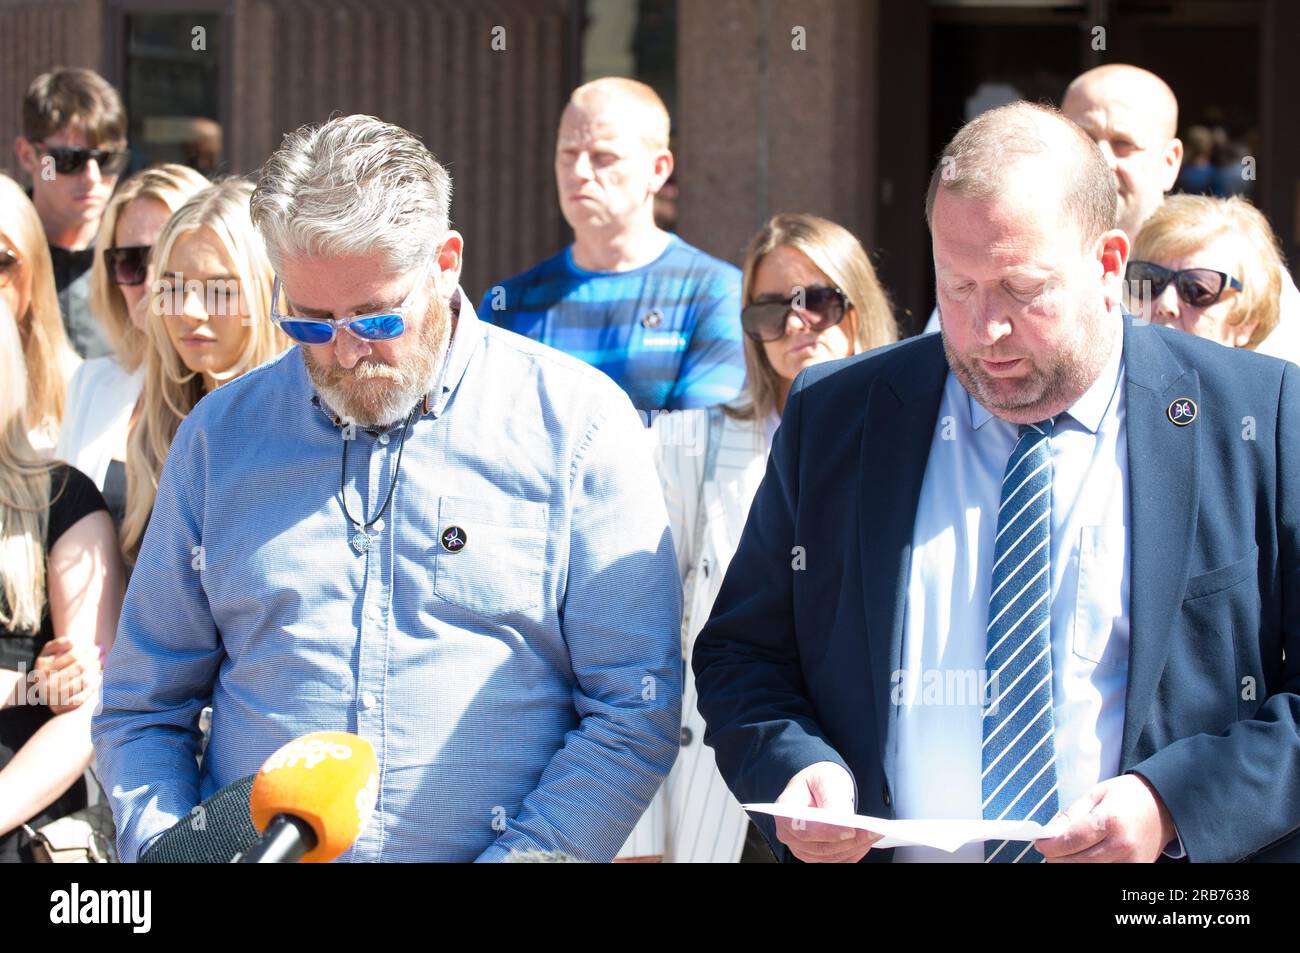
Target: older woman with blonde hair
x=103, y=398
x=60, y=580
x=27, y=287
x=1210, y=267
x=810, y=294
x=210, y=321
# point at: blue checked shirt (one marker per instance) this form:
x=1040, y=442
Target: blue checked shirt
x=522, y=692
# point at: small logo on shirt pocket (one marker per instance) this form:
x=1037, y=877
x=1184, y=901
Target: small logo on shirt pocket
x=502, y=573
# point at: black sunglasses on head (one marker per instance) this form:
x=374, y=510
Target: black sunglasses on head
x=127, y=264
x=70, y=160
x=819, y=308
x=1199, y=287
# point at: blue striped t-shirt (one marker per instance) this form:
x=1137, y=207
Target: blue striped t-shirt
x=668, y=332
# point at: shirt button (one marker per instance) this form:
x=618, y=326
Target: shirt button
x=687, y=736
x=368, y=700
x=383, y=439
x=378, y=525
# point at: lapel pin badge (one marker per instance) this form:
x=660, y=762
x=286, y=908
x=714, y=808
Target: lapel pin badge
x=453, y=539
x=1182, y=411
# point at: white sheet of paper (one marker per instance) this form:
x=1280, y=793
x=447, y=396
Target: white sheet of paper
x=945, y=835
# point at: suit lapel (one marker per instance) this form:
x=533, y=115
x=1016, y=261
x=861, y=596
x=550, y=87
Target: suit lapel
x=902, y=407
x=1163, y=496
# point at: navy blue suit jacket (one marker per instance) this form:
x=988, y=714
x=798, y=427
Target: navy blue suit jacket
x=794, y=664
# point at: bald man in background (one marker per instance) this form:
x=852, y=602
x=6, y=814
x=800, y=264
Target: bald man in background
x=660, y=317
x=1132, y=115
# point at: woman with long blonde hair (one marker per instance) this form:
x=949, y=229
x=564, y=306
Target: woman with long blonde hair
x=209, y=321
x=27, y=287
x=809, y=294
x=103, y=398
x=60, y=581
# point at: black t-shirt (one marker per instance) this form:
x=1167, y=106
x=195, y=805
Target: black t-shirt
x=72, y=496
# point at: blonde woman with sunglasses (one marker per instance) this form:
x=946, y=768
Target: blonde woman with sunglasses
x=104, y=396
x=1210, y=267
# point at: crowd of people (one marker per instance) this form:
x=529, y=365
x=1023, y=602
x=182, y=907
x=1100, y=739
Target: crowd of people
x=647, y=536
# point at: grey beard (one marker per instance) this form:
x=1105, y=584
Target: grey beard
x=357, y=396
x=373, y=411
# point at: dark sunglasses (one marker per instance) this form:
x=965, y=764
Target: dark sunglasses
x=70, y=160
x=127, y=264
x=1199, y=287
x=819, y=308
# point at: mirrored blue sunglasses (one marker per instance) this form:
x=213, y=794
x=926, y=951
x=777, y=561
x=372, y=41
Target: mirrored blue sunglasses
x=376, y=326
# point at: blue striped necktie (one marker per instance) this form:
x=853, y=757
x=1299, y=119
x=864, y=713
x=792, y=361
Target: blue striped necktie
x=1019, y=753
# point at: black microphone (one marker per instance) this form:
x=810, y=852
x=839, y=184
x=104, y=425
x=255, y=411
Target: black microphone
x=286, y=840
x=216, y=831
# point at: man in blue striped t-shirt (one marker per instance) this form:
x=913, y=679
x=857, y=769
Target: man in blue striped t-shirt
x=657, y=315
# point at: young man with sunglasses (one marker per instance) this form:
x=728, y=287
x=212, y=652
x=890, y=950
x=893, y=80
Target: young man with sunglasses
x=73, y=147
x=654, y=313
x=410, y=527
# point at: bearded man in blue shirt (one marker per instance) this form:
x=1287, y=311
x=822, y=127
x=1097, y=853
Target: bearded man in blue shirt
x=408, y=527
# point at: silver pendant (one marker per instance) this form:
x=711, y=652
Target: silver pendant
x=361, y=541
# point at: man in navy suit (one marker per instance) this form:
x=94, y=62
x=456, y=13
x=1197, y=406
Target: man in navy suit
x=1045, y=563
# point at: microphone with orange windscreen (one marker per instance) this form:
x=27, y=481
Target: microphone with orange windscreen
x=312, y=799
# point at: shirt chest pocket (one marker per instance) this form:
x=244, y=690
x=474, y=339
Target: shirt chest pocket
x=489, y=555
x=1101, y=597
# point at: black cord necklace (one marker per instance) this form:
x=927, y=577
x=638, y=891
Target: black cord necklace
x=361, y=539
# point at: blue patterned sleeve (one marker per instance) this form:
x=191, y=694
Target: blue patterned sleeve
x=159, y=674
x=621, y=618
x=713, y=368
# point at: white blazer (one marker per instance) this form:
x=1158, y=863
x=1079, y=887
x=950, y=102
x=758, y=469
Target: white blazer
x=97, y=415
x=695, y=817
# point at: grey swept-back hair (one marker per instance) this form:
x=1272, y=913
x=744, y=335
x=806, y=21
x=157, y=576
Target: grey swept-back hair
x=354, y=185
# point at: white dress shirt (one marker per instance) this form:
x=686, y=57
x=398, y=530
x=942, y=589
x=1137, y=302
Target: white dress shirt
x=939, y=692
